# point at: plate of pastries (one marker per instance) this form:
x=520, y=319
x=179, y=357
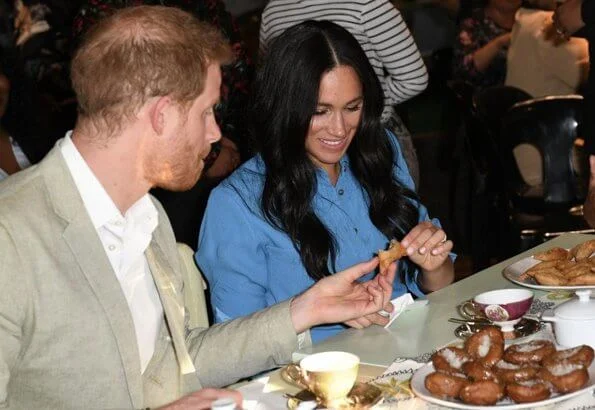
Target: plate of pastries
x=485, y=373
x=556, y=269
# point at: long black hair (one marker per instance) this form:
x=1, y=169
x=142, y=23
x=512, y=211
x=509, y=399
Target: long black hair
x=284, y=99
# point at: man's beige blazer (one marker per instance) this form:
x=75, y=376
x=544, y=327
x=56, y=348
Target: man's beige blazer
x=67, y=339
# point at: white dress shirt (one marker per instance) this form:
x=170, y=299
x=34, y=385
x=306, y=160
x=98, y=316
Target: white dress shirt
x=125, y=239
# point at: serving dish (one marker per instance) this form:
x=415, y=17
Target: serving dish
x=418, y=387
x=514, y=271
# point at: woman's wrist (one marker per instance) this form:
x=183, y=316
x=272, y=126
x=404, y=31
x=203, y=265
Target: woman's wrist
x=435, y=279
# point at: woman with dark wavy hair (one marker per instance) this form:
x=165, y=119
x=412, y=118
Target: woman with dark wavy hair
x=328, y=189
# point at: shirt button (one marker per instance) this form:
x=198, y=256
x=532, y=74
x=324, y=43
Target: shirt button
x=119, y=223
x=355, y=229
x=112, y=247
x=341, y=192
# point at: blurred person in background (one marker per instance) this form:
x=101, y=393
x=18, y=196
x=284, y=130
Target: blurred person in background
x=557, y=67
x=479, y=55
x=12, y=158
x=380, y=30
x=34, y=59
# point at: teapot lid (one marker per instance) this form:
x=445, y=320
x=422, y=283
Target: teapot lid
x=581, y=308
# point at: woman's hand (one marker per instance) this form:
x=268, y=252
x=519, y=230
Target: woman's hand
x=568, y=17
x=427, y=246
x=484, y=56
x=503, y=40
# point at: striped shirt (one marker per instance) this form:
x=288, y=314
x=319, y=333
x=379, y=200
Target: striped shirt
x=377, y=26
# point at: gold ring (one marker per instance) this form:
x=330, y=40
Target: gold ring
x=444, y=239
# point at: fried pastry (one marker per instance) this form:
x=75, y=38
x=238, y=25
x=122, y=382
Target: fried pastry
x=549, y=266
x=394, y=252
x=578, y=269
x=584, y=250
x=559, y=267
x=563, y=265
x=552, y=254
x=582, y=280
x=549, y=278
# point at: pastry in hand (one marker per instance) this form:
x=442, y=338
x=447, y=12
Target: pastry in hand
x=394, y=252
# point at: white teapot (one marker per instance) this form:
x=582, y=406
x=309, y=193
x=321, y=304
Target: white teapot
x=574, y=320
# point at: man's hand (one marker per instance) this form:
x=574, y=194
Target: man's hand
x=340, y=298
x=203, y=399
x=384, y=280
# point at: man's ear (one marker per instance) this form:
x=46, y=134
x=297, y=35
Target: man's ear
x=160, y=112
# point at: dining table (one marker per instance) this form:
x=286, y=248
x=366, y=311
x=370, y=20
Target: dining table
x=421, y=328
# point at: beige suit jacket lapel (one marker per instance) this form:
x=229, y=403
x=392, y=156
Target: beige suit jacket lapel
x=82, y=238
x=170, y=292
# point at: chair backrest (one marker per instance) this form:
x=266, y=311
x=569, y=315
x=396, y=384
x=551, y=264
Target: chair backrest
x=549, y=124
x=194, y=289
x=491, y=103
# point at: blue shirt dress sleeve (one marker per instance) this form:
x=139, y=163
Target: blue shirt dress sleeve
x=231, y=257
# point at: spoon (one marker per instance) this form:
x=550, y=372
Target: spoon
x=469, y=322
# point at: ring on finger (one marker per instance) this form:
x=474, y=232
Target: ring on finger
x=444, y=239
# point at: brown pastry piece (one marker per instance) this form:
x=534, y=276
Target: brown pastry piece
x=582, y=280
x=530, y=352
x=394, y=252
x=528, y=391
x=482, y=393
x=476, y=371
x=550, y=278
x=511, y=373
x=486, y=346
x=566, y=377
x=582, y=355
x=552, y=254
x=541, y=266
x=450, y=360
x=584, y=250
x=445, y=385
x=578, y=269
x=565, y=265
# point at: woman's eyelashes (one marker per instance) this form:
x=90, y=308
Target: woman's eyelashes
x=350, y=108
x=354, y=108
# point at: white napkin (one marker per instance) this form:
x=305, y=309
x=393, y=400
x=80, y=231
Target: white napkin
x=401, y=303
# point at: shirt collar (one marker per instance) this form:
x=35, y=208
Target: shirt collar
x=100, y=206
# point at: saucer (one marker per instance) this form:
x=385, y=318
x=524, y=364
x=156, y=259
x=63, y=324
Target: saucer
x=291, y=374
x=361, y=396
x=525, y=327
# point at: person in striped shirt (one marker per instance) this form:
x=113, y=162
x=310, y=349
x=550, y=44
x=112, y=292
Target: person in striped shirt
x=384, y=37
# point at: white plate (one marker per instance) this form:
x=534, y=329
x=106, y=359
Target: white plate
x=512, y=273
x=419, y=388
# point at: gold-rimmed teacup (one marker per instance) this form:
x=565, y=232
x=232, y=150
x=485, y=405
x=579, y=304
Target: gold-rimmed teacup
x=330, y=376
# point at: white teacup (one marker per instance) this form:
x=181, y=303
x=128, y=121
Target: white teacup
x=330, y=375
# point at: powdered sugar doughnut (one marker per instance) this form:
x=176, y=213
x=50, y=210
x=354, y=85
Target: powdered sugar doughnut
x=530, y=352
